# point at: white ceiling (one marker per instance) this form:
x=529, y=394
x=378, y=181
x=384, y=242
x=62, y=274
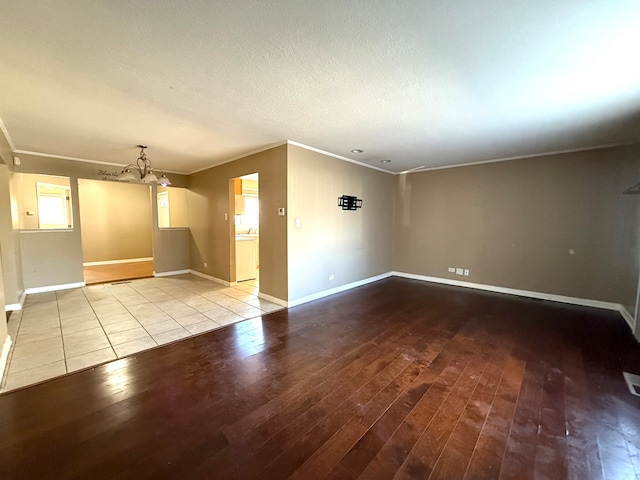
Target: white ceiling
x=422, y=83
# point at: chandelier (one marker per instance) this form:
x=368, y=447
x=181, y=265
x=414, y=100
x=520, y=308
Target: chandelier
x=144, y=170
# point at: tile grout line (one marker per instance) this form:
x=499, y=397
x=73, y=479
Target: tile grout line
x=173, y=289
x=64, y=351
x=134, y=317
x=99, y=322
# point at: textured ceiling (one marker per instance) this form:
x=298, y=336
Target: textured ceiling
x=421, y=83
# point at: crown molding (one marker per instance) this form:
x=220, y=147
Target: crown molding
x=83, y=160
x=519, y=157
x=252, y=152
x=7, y=136
x=339, y=157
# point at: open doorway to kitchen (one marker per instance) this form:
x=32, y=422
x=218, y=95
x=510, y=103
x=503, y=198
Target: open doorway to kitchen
x=246, y=227
x=116, y=233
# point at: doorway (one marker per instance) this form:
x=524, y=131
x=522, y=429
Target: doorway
x=246, y=227
x=116, y=230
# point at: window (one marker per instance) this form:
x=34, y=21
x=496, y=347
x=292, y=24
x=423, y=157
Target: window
x=54, y=206
x=251, y=215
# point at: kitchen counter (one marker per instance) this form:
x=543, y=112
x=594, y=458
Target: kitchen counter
x=246, y=236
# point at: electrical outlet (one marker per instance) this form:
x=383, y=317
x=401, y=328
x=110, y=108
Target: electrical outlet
x=466, y=272
x=226, y=216
x=281, y=211
x=331, y=277
x=459, y=271
x=205, y=264
x=452, y=270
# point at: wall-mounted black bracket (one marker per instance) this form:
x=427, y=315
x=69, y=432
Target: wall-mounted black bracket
x=348, y=202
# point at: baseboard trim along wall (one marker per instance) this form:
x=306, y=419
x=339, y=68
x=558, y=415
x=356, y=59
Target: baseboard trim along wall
x=276, y=300
x=114, y=262
x=168, y=274
x=4, y=355
x=14, y=307
x=628, y=317
x=341, y=288
x=524, y=293
x=54, y=288
x=209, y=277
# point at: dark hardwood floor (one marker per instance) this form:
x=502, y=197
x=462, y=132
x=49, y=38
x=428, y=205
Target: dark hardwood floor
x=395, y=379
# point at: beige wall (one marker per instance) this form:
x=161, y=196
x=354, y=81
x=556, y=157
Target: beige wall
x=178, y=206
x=3, y=315
x=10, y=253
x=115, y=219
x=210, y=199
x=514, y=224
x=75, y=169
x=51, y=258
x=69, y=257
x=5, y=232
x=171, y=250
x=12, y=280
x=27, y=195
x=350, y=245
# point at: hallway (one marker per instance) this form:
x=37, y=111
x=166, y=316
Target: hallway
x=64, y=331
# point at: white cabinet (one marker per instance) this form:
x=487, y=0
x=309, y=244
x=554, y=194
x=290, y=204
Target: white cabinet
x=246, y=260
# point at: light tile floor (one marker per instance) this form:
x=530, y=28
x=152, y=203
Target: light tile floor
x=68, y=330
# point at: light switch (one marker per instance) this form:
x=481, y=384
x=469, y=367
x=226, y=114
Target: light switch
x=298, y=222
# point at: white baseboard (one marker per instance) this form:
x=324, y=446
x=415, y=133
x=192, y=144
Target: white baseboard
x=54, y=288
x=585, y=302
x=213, y=279
x=276, y=300
x=168, y=274
x=14, y=307
x=114, y=262
x=4, y=356
x=628, y=317
x=341, y=288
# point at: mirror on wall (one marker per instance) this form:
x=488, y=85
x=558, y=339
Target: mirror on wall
x=172, y=207
x=44, y=202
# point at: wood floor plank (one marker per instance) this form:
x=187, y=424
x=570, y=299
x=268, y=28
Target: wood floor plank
x=396, y=378
x=581, y=439
x=117, y=272
x=487, y=457
x=340, y=412
x=421, y=352
x=399, y=428
x=551, y=448
x=427, y=449
x=457, y=452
